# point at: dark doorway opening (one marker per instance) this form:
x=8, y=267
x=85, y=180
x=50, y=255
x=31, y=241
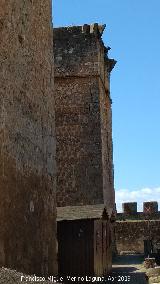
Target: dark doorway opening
x=148, y=248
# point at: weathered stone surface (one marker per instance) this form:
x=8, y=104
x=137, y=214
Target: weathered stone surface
x=83, y=117
x=130, y=235
x=133, y=228
x=27, y=137
x=129, y=208
x=150, y=207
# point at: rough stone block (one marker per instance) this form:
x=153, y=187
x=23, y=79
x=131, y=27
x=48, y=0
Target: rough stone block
x=150, y=207
x=129, y=208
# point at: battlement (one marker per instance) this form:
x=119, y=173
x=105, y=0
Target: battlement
x=80, y=51
x=129, y=211
x=86, y=29
x=148, y=207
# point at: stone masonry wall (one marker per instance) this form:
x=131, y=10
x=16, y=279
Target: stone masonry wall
x=27, y=138
x=78, y=144
x=84, y=160
x=130, y=235
x=106, y=126
x=133, y=228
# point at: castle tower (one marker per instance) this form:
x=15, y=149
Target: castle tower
x=83, y=117
x=27, y=138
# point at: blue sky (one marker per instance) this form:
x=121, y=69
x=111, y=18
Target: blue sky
x=133, y=33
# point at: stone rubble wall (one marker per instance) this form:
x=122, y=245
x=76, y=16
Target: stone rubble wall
x=84, y=139
x=130, y=235
x=79, y=165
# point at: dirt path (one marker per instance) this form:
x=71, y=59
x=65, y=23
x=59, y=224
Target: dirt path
x=126, y=269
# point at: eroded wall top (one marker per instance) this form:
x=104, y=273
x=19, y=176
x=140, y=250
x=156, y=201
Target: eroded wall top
x=76, y=50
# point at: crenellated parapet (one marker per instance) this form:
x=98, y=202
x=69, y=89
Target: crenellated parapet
x=76, y=51
x=129, y=211
x=86, y=29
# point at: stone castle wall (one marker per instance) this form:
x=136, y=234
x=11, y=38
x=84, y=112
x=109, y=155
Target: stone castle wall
x=133, y=228
x=130, y=235
x=27, y=138
x=83, y=117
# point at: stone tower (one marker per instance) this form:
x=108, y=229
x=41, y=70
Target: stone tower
x=83, y=117
x=27, y=137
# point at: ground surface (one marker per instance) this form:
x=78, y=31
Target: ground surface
x=127, y=269
x=8, y=276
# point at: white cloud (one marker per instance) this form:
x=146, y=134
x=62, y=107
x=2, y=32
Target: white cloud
x=139, y=196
